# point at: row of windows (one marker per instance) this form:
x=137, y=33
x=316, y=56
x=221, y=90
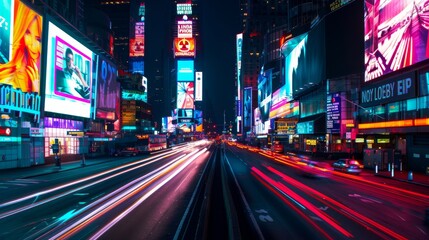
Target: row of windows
x=408, y=109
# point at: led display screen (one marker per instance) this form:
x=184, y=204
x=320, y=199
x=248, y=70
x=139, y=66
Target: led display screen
x=137, y=17
x=185, y=95
x=264, y=94
x=137, y=65
x=247, y=107
x=184, y=47
x=396, y=35
x=305, y=60
x=185, y=70
x=68, y=74
x=198, y=86
x=184, y=29
x=198, y=120
x=239, y=46
x=167, y=125
x=108, y=90
x=20, y=46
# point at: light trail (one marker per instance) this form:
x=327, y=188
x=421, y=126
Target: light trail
x=41, y=193
x=303, y=202
x=174, y=169
x=363, y=220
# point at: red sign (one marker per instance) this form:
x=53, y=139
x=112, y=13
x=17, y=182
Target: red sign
x=184, y=47
x=5, y=131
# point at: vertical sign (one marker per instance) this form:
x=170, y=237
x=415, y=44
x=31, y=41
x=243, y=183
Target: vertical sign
x=198, y=86
x=333, y=113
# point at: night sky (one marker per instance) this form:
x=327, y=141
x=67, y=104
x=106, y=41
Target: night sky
x=220, y=22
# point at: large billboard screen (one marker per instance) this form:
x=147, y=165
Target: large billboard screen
x=137, y=17
x=247, y=107
x=264, y=94
x=108, y=90
x=185, y=95
x=185, y=70
x=68, y=74
x=20, y=46
x=184, y=47
x=198, y=86
x=396, y=35
x=239, y=46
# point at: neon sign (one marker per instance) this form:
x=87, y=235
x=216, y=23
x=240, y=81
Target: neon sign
x=16, y=100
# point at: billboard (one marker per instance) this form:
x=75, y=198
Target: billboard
x=108, y=90
x=247, y=107
x=264, y=94
x=198, y=120
x=239, y=45
x=167, y=125
x=20, y=46
x=137, y=65
x=184, y=9
x=137, y=17
x=333, y=113
x=396, y=35
x=68, y=74
x=184, y=47
x=184, y=29
x=185, y=95
x=185, y=70
x=198, y=86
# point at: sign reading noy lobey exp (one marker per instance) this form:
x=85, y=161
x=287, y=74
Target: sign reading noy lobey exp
x=390, y=90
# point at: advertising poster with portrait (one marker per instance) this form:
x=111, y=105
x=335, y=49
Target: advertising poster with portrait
x=20, y=46
x=185, y=95
x=68, y=74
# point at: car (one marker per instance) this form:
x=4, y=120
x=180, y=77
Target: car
x=348, y=165
x=310, y=168
x=277, y=147
x=129, y=151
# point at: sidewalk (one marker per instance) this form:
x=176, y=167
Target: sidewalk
x=418, y=178
x=405, y=176
x=38, y=170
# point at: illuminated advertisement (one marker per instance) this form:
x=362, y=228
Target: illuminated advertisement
x=20, y=46
x=185, y=95
x=388, y=90
x=108, y=89
x=198, y=120
x=68, y=74
x=305, y=60
x=333, y=113
x=184, y=47
x=247, y=107
x=184, y=8
x=264, y=94
x=185, y=70
x=239, y=45
x=198, y=86
x=396, y=35
x=137, y=65
x=185, y=113
x=137, y=17
x=167, y=125
x=184, y=29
